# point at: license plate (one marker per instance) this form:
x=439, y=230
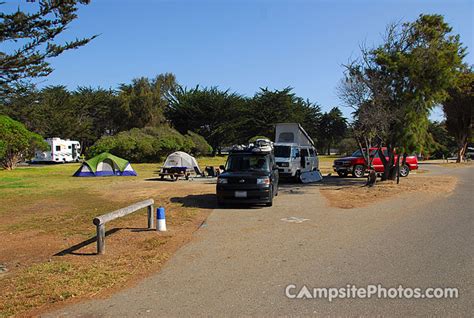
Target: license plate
x=240, y=194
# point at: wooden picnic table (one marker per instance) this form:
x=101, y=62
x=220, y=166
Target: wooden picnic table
x=174, y=173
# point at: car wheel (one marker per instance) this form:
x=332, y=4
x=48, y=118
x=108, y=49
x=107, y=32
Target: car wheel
x=404, y=171
x=342, y=174
x=359, y=171
x=220, y=203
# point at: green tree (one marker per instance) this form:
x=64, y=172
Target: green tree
x=440, y=144
x=402, y=80
x=268, y=108
x=35, y=36
x=98, y=112
x=17, y=143
x=49, y=112
x=144, y=100
x=24, y=106
x=209, y=112
x=347, y=145
x=459, y=111
x=332, y=127
x=63, y=119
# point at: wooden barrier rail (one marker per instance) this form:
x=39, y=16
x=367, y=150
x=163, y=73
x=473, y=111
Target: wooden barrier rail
x=100, y=221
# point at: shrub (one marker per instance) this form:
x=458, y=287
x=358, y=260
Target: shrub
x=201, y=147
x=149, y=144
x=17, y=143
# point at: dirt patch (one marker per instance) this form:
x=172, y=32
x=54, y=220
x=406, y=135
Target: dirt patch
x=356, y=196
x=456, y=165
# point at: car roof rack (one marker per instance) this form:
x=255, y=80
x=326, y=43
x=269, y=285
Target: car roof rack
x=259, y=146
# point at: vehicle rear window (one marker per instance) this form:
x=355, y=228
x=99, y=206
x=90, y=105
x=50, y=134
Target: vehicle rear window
x=304, y=152
x=246, y=162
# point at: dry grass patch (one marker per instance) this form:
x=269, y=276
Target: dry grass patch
x=355, y=196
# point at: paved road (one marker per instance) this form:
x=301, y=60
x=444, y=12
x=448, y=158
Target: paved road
x=242, y=260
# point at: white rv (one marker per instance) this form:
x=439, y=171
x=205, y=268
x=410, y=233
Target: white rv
x=294, y=150
x=59, y=151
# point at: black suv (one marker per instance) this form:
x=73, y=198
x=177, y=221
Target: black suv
x=250, y=176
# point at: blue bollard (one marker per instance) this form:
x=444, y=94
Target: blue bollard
x=160, y=216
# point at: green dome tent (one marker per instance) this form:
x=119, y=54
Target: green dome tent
x=105, y=164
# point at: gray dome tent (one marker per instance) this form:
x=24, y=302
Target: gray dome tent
x=181, y=159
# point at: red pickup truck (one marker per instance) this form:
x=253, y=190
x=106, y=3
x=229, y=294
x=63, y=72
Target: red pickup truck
x=355, y=164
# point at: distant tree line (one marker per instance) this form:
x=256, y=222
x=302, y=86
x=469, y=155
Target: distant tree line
x=149, y=118
x=160, y=109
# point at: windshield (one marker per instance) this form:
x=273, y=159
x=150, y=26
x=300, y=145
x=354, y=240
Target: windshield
x=247, y=163
x=282, y=151
x=358, y=153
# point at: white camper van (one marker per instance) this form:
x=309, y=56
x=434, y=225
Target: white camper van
x=294, y=150
x=59, y=151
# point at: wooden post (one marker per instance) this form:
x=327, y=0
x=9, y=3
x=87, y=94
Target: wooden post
x=150, y=216
x=100, y=221
x=100, y=238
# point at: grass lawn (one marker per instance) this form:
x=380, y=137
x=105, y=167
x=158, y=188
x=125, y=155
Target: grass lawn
x=45, y=211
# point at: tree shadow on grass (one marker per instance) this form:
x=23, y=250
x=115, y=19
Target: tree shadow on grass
x=72, y=250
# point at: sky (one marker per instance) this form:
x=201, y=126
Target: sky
x=236, y=45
